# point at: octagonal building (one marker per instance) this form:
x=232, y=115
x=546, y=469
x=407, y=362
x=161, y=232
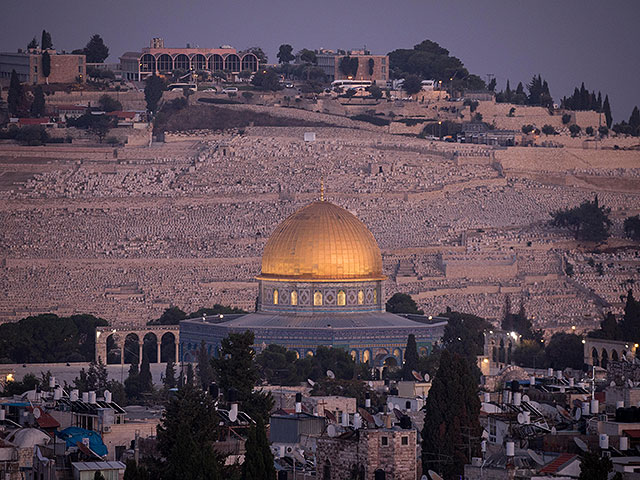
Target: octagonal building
x=321, y=284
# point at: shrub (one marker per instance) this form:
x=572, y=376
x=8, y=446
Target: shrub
x=603, y=130
x=528, y=128
x=32, y=135
x=548, y=130
x=477, y=117
x=472, y=104
x=589, y=131
x=566, y=118
x=112, y=140
x=512, y=112
x=574, y=129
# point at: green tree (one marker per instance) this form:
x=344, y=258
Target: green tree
x=277, y=366
x=153, y=92
x=630, y=324
x=132, y=383
x=267, y=80
x=204, y=369
x=402, y=303
x=37, y=106
x=412, y=84
x=285, y=53
x=259, y=405
x=464, y=334
x=46, y=42
x=565, y=350
x=171, y=316
x=186, y=433
x=375, y=91
x=15, y=95
x=145, y=380
x=258, y=52
x=529, y=353
x=258, y=460
x=235, y=366
x=451, y=432
x=606, y=109
x=632, y=227
x=410, y=358
x=634, y=121
x=574, y=130
x=95, y=379
x=588, y=222
x=33, y=44
x=190, y=376
x=308, y=56
x=169, y=379
x=549, y=130
x=348, y=66
x=491, y=86
x=593, y=466
x=95, y=50
x=609, y=328
x=109, y=104
x=135, y=472
x=46, y=65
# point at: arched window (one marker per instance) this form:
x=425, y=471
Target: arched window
x=366, y=356
x=250, y=62
x=317, y=298
x=342, y=298
x=614, y=356
x=181, y=62
x=605, y=359
x=294, y=298
x=309, y=353
x=165, y=63
x=509, y=353
x=216, y=63
x=232, y=63
x=398, y=354
x=148, y=63
x=379, y=475
x=360, y=297
x=275, y=297
x=595, y=357
x=501, y=355
x=198, y=62
x=494, y=355
x=354, y=355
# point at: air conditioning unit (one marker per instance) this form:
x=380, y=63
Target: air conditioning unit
x=289, y=449
x=106, y=429
x=476, y=461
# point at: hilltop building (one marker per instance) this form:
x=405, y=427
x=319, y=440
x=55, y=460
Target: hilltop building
x=65, y=67
x=370, y=67
x=159, y=60
x=321, y=284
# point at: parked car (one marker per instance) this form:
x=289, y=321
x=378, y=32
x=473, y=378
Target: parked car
x=210, y=89
x=288, y=85
x=230, y=90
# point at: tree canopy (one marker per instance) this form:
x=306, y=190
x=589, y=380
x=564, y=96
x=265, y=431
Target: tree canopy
x=402, y=303
x=464, y=334
x=630, y=324
x=234, y=366
x=48, y=338
x=267, y=79
x=589, y=221
x=412, y=84
x=348, y=66
x=285, y=53
x=451, y=430
x=45, y=42
x=632, y=227
x=15, y=95
x=565, y=350
x=258, y=459
x=95, y=50
x=153, y=92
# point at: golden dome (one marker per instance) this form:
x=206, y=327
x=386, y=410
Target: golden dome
x=322, y=242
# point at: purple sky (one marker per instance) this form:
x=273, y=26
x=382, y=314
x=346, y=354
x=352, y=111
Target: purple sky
x=567, y=41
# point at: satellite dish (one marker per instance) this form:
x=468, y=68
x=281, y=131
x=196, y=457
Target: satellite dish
x=581, y=445
x=378, y=421
x=36, y=412
x=434, y=475
x=521, y=418
x=398, y=413
x=330, y=374
x=416, y=375
x=424, y=477
x=390, y=406
x=311, y=382
x=366, y=415
x=535, y=457
x=577, y=415
x=612, y=384
x=331, y=430
x=427, y=377
x=370, y=384
x=525, y=398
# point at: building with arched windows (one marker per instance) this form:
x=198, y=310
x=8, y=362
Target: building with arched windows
x=159, y=60
x=321, y=284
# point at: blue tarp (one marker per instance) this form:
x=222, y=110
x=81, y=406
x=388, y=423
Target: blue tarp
x=73, y=435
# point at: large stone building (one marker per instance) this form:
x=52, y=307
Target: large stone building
x=370, y=67
x=321, y=284
x=159, y=60
x=65, y=68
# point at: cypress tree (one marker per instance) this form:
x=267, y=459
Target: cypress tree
x=170, y=375
x=630, y=324
x=145, y=380
x=14, y=96
x=258, y=459
x=46, y=43
x=606, y=108
x=410, y=358
x=46, y=65
x=634, y=121
x=37, y=106
x=451, y=432
x=131, y=383
x=189, y=380
x=204, y=368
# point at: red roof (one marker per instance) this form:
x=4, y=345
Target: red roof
x=558, y=463
x=632, y=433
x=34, y=121
x=45, y=420
x=121, y=114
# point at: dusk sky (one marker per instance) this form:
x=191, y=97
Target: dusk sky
x=567, y=41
